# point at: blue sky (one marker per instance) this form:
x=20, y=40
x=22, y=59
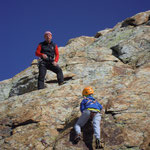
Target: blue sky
x=23, y=22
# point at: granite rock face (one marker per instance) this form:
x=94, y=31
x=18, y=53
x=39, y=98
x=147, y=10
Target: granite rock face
x=115, y=63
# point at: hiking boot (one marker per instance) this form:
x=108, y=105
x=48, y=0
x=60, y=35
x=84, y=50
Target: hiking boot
x=98, y=145
x=77, y=138
x=61, y=83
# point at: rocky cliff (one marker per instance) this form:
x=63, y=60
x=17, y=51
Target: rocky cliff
x=115, y=62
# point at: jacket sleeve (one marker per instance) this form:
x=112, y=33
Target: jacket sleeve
x=100, y=106
x=56, y=54
x=82, y=105
x=38, y=51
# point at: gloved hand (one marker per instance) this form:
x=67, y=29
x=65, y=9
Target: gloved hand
x=54, y=63
x=44, y=56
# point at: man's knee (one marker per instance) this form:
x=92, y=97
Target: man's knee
x=59, y=69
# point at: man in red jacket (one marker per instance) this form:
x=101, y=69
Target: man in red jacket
x=49, y=55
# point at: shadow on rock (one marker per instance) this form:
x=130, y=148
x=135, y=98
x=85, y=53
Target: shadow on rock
x=87, y=132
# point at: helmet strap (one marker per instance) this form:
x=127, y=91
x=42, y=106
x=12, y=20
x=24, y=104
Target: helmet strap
x=88, y=95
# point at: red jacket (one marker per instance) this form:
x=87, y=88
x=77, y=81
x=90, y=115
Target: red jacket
x=39, y=54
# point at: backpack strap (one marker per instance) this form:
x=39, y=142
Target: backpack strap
x=89, y=101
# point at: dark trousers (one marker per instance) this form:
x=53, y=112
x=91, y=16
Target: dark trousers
x=43, y=67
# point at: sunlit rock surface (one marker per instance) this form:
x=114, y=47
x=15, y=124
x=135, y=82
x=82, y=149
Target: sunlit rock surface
x=116, y=63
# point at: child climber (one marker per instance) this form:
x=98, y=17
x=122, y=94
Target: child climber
x=90, y=108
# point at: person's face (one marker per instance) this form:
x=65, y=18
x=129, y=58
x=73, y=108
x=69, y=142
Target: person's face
x=48, y=37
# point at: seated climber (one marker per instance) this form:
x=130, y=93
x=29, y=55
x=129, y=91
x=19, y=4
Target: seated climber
x=90, y=108
x=49, y=55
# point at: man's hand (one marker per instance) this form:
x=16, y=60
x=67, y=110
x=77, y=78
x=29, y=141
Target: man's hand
x=54, y=63
x=44, y=56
